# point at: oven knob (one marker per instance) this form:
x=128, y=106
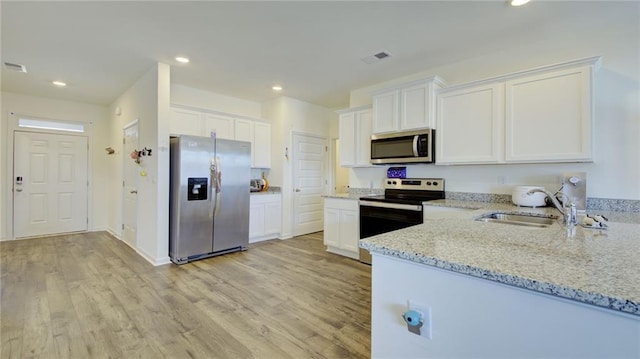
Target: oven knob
x=428, y=183
x=388, y=182
x=435, y=183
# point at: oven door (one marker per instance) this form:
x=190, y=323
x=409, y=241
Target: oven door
x=382, y=217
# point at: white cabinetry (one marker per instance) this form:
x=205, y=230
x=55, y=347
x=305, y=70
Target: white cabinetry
x=265, y=217
x=355, y=137
x=259, y=135
x=470, y=125
x=491, y=319
x=202, y=123
x=342, y=226
x=549, y=117
x=223, y=126
x=185, y=122
x=540, y=115
x=406, y=107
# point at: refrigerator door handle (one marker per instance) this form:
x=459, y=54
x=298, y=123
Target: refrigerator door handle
x=213, y=187
x=218, y=188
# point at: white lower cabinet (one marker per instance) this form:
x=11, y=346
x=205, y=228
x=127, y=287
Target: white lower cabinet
x=342, y=226
x=265, y=217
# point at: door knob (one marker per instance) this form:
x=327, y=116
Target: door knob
x=134, y=191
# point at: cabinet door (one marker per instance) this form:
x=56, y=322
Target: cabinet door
x=414, y=107
x=349, y=230
x=223, y=126
x=332, y=227
x=244, y=132
x=470, y=125
x=273, y=217
x=363, y=138
x=347, y=133
x=548, y=117
x=261, y=145
x=385, y=112
x=256, y=220
x=185, y=122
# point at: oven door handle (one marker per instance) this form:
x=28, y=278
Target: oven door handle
x=407, y=207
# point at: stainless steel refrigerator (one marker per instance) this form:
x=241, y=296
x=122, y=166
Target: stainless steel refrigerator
x=209, y=197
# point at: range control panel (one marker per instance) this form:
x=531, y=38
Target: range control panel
x=428, y=184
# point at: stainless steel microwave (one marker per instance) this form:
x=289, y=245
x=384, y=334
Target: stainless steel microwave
x=403, y=147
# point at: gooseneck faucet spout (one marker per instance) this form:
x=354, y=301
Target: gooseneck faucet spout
x=551, y=197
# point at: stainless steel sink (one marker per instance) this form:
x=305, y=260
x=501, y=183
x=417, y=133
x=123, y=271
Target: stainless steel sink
x=518, y=219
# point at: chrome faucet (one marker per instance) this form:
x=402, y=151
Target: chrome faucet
x=570, y=214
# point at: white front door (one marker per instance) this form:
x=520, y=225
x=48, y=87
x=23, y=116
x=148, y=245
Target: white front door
x=308, y=182
x=131, y=172
x=50, y=184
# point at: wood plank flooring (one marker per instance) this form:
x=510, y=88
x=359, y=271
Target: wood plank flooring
x=91, y=296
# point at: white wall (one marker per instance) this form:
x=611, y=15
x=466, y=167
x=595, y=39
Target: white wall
x=288, y=116
x=616, y=171
x=59, y=110
x=189, y=96
x=147, y=100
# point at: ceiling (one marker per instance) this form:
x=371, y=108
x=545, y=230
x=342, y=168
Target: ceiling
x=241, y=49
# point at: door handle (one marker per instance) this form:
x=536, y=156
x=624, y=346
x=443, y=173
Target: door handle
x=134, y=191
x=297, y=189
x=18, y=189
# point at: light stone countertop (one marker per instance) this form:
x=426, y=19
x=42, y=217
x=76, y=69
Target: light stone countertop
x=598, y=267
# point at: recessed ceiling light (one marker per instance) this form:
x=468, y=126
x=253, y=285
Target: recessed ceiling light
x=59, y=83
x=518, y=2
x=276, y=88
x=182, y=59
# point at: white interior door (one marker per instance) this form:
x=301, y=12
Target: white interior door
x=50, y=184
x=130, y=185
x=308, y=182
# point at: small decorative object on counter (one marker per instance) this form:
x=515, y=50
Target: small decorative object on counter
x=397, y=172
x=594, y=221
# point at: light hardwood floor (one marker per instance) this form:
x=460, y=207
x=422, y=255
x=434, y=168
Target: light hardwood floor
x=90, y=295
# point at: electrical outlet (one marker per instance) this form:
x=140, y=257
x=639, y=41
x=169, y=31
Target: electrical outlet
x=425, y=311
x=502, y=179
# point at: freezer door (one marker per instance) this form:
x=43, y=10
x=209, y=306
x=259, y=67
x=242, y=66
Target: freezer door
x=191, y=204
x=231, y=216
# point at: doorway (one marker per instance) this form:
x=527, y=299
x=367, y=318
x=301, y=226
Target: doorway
x=308, y=182
x=130, y=173
x=50, y=181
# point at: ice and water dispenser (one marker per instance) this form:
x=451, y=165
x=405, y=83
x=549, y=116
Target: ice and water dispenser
x=197, y=188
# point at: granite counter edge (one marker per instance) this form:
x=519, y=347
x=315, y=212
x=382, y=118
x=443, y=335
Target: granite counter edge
x=596, y=299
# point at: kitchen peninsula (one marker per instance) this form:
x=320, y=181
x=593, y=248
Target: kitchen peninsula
x=498, y=290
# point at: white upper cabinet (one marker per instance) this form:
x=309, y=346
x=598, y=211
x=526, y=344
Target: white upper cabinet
x=535, y=116
x=549, y=117
x=406, y=107
x=185, y=122
x=223, y=126
x=262, y=145
x=259, y=135
x=470, y=125
x=385, y=112
x=355, y=137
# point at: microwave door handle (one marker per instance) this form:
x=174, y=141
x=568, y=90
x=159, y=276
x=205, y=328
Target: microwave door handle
x=415, y=146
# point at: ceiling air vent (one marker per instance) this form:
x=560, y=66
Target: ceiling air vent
x=376, y=57
x=15, y=67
